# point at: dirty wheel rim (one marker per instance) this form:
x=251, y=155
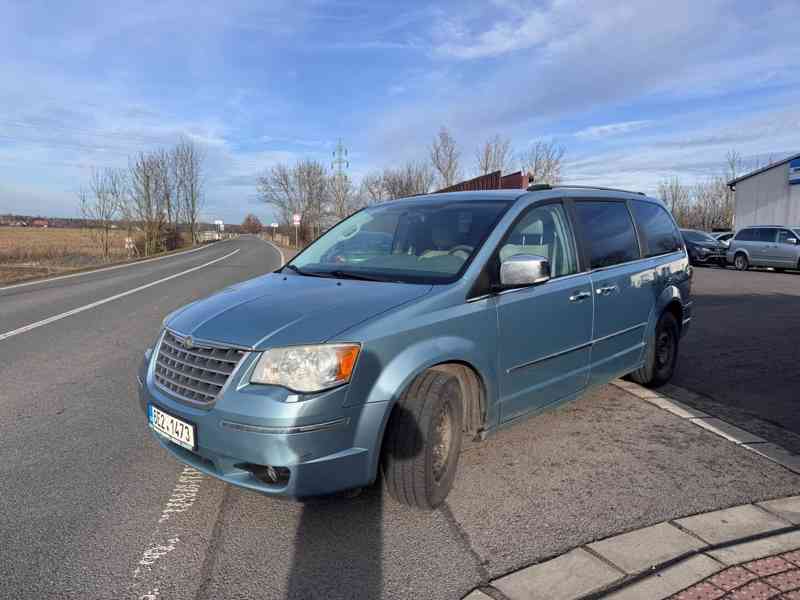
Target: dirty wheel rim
x=664, y=349
x=740, y=262
x=442, y=441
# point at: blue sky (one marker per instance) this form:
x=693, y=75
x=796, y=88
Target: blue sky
x=636, y=91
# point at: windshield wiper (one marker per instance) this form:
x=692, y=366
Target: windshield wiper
x=295, y=269
x=351, y=275
x=299, y=271
x=337, y=274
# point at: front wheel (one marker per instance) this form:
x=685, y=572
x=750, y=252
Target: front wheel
x=423, y=440
x=662, y=354
x=740, y=262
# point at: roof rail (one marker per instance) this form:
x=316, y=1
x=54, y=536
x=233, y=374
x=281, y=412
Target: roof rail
x=546, y=186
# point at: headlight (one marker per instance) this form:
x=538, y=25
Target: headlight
x=307, y=368
x=703, y=250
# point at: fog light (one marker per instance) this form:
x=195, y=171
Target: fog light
x=267, y=473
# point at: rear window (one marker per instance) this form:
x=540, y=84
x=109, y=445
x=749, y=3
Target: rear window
x=608, y=230
x=656, y=228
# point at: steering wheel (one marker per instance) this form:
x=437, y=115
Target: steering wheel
x=460, y=248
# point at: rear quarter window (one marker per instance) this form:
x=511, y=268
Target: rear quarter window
x=657, y=230
x=607, y=229
x=745, y=235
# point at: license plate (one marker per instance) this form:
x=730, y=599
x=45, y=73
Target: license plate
x=172, y=428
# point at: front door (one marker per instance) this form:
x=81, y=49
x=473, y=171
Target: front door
x=622, y=285
x=786, y=251
x=544, y=330
x=763, y=248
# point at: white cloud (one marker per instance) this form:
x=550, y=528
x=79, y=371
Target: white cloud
x=612, y=129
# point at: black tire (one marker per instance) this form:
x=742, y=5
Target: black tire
x=740, y=262
x=661, y=355
x=423, y=441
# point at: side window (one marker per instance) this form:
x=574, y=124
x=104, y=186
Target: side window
x=765, y=235
x=784, y=235
x=544, y=231
x=608, y=230
x=745, y=235
x=657, y=229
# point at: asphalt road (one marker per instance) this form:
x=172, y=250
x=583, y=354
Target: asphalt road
x=743, y=351
x=92, y=507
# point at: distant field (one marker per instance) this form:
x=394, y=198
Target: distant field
x=27, y=252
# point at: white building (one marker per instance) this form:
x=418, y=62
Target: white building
x=768, y=196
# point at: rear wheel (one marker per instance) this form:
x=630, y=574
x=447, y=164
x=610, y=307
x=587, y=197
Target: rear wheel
x=662, y=354
x=423, y=440
x=740, y=262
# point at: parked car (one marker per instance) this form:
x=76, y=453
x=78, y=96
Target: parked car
x=485, y=308
x=703, y=248
x=765, y=246
x=723, y=237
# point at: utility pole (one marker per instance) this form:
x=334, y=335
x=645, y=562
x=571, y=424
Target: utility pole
x=340, y=161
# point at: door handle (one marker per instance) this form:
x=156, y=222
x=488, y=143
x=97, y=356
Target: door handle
x=607, y=291
x=578, y=296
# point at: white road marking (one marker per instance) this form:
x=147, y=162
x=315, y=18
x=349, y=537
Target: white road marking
x=276, y=247
x=164, y=538
x=130, y=264
x=80, y=309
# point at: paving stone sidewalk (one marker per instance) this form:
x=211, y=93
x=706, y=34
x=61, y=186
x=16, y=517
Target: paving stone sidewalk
x=745, y=552
x=772, y=577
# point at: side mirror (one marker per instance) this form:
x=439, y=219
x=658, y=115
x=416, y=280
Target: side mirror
x=521, y=270
x=791, y=241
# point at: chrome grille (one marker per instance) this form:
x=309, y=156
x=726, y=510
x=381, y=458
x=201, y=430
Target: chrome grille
x=195, y=373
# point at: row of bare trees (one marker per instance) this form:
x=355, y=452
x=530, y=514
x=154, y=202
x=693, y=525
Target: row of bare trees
x=321, y=199
x=708, y=204
x=159, y=193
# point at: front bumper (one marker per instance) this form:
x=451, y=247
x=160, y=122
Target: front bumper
x=714, y=258
x=326, y=446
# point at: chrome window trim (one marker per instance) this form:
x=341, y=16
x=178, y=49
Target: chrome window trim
x=575, y=348
x=678, y=253
x=208, y=343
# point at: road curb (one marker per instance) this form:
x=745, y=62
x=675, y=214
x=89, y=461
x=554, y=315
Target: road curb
x=738, y=436
x=661, y=560
x=658, y=561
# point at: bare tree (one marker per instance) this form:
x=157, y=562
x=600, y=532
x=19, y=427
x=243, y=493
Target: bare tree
x=251, y=224
x=676, y=197
x=444, y=158
x=412, y=179
x=147, y=201
x=188, y=162
x=494, y=155
x=372, y=189
x=301, y=189
x=543, y=162
x=342, y=197
x=99, y=206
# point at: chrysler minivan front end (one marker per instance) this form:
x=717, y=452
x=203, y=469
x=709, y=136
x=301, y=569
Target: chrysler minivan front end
x=224, y=411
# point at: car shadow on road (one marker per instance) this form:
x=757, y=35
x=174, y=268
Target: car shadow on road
x=354, y=527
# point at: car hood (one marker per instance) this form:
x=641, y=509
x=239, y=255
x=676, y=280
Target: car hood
x=709, y=245
x=277, y=310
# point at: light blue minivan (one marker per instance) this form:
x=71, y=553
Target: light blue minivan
x=411, y=324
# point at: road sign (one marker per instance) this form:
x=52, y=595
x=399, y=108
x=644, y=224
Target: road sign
x=296, y=219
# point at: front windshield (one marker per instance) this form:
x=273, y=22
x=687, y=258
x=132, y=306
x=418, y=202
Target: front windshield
x=796, y=231
x=414, y=242
x=697, y=236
